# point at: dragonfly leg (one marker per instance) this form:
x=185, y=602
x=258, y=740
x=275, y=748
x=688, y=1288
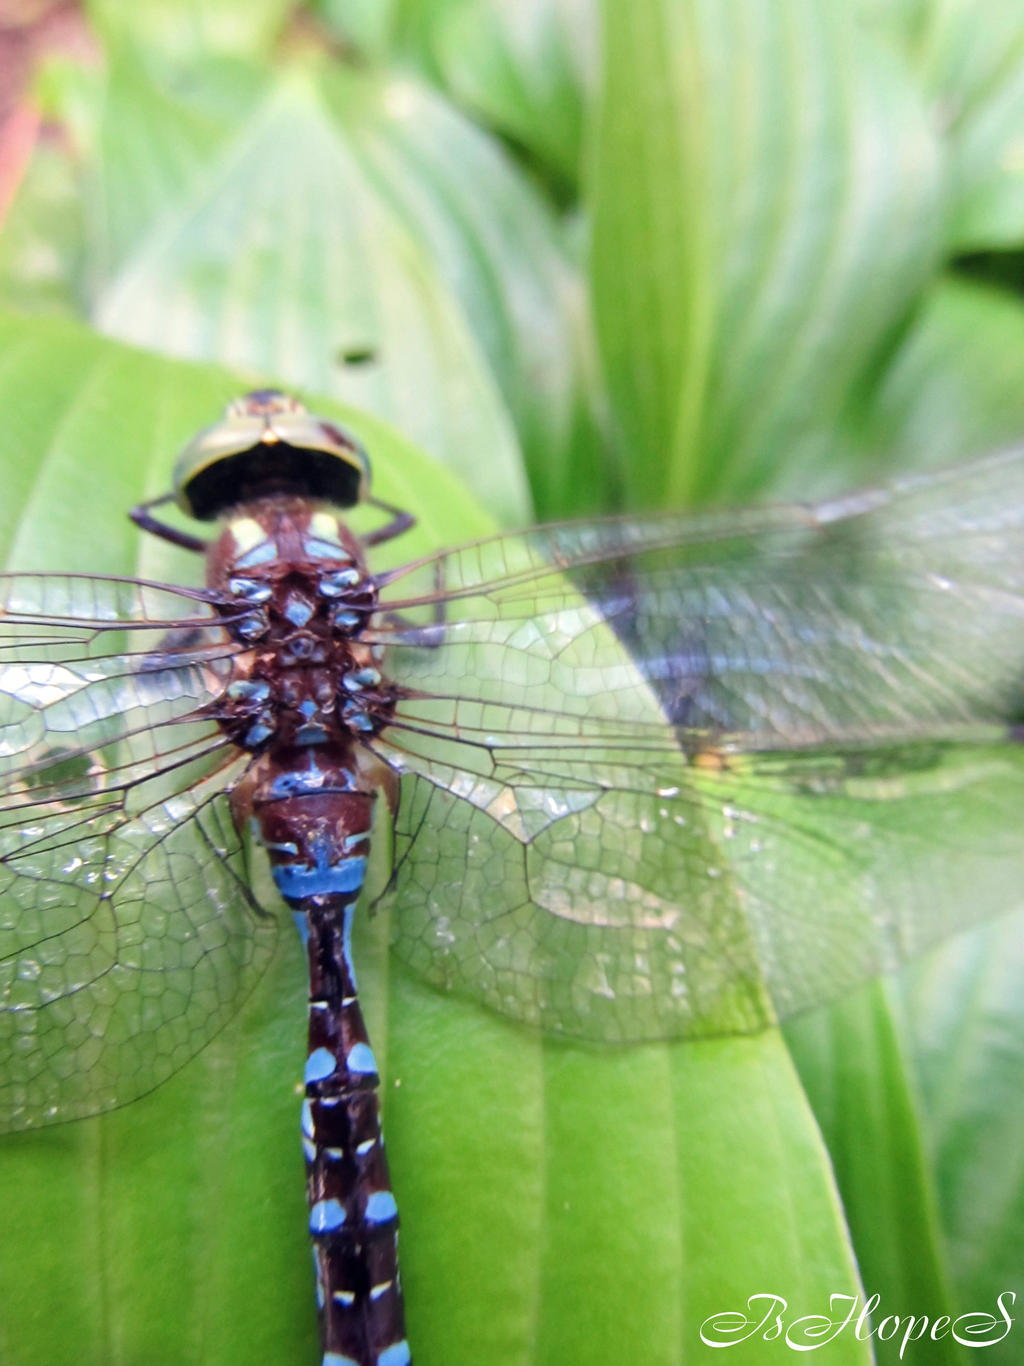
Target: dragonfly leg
x=400, y=522
x=142, y=518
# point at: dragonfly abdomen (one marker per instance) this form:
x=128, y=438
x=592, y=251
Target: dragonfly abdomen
x=318, y=843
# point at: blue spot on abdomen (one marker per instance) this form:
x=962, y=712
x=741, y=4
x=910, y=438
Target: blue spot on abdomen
x=397, y=1354
x=295, y=881
x=380, y=1207
x=360, y=1059
x=321, y=1063
x=326, y=1216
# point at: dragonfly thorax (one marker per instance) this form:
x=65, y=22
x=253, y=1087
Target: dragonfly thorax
x=295, y=593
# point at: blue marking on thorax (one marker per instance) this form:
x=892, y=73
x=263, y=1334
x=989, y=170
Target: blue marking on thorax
x=307, y=1119
x=326, y=1216
x=298, y=611
x=339, y=1359
x=317, y=549
x=360, y=678
x=321, y=1063
x=310, y=734
x=309, y=1151
x=360, y=1059
x=249, y=690
x=302, y=925
x=259, y=554
x=296, y=881
x=380, y=1207
x=398, y=1354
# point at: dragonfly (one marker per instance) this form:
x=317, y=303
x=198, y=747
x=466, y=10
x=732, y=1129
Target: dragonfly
x=651, y=777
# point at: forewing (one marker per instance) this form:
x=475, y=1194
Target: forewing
x=672, y=777
x=886, y=612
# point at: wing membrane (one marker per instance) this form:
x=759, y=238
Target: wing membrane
x=127, y=930
x=707, y=772
x=888, y=612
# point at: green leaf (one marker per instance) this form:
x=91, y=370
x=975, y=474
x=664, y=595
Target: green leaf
x=168, y=35
x=851, y=1062
x=500, y=254
x=965, y=1019
x=284, y=261
x=368, y=25
x=952, y=388
x=971, y=60
x=556, y=1200
x=767, y=207
x=41, y=243
x=526, y=66
x=129, y=151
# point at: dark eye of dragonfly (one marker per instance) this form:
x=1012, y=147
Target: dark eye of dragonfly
x=627, y=761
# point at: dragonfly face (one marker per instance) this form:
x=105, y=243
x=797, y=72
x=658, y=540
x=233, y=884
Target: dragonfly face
x=662, y=777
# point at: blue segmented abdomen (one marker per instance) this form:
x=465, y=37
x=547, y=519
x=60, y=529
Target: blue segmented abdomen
x=318, y=842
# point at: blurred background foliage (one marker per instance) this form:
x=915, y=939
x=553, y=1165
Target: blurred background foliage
x=586, y=255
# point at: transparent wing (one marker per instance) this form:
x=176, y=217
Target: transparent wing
x=670, y=776
x=127, y=932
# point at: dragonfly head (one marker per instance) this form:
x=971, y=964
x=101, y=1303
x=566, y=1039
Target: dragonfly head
x=267, y=442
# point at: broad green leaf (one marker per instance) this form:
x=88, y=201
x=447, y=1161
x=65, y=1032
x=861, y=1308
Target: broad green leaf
x=949, y=390
x=149, y=148
x=767, y=207
x=903, y=21
x=971, y=62
x=42, y=238
x=417, y=23
x=161, y=197
x=526, y=66
x=556, y=1200
x=368, y=25
x=168, y=35
x=851, y=1062
x=285, y=261
x=477, y=223
x=965, y=1017
x=952, y=388
x=500, y=254
x=129, y=150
